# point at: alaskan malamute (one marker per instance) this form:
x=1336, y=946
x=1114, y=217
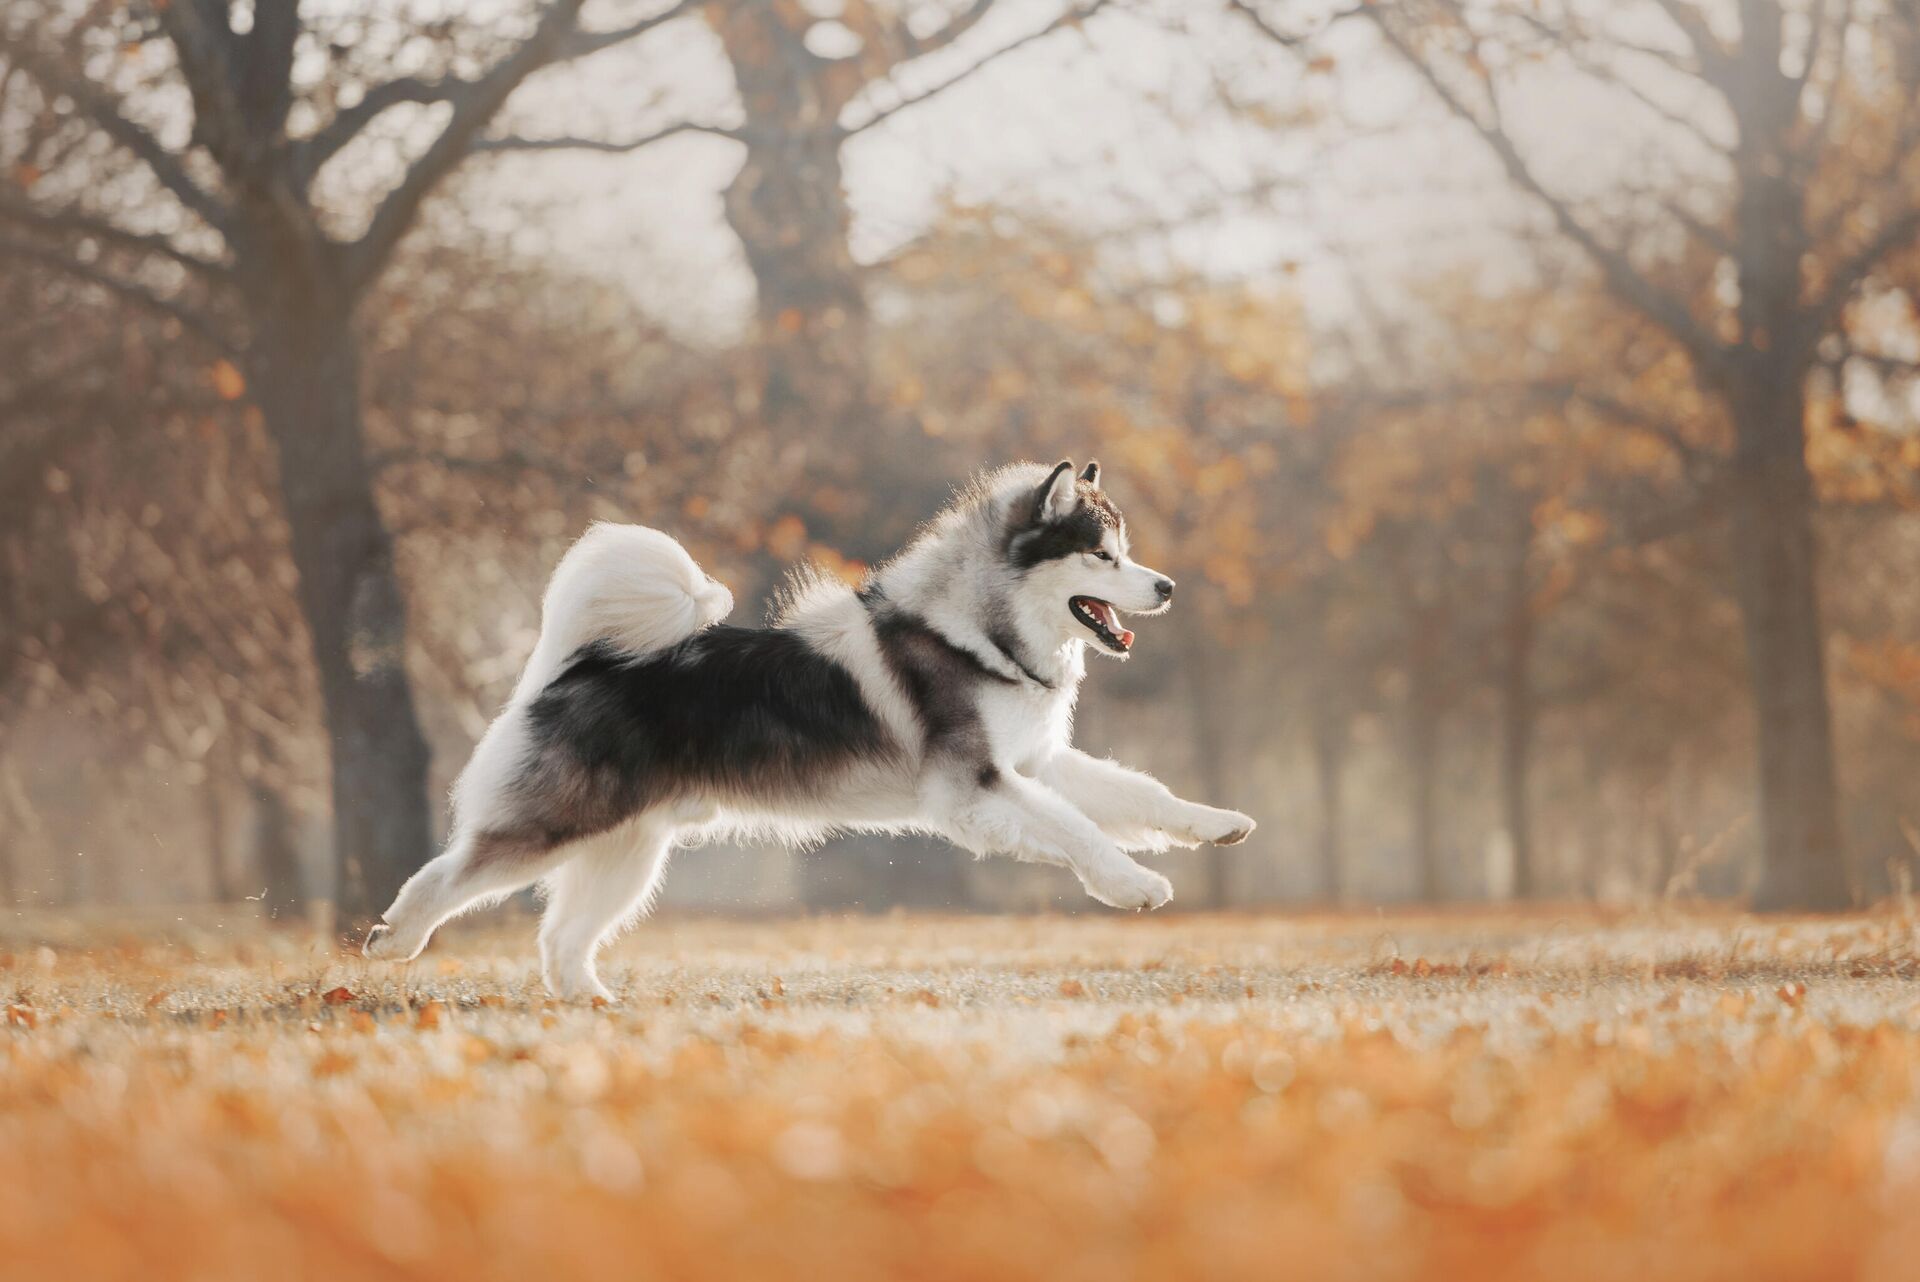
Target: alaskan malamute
x=936, y=698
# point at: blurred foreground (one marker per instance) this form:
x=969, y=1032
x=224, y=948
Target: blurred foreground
x=1441, y=1096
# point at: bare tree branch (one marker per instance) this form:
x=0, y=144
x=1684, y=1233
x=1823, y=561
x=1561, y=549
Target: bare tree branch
x=553, y=40
x=583, y=43
x=1887, y=367
x=266, y=63
x=1286, y=39
x=1073, y=17
x=1699, y=463
x=1884, y=366
x=76, y=223
x=1715, y=238
x=113, y=121
x=1895, y=236
x=566, y=143
x=1816, y=142
x=912, y=46
x=1887, y=179
x=311, y=154
x=1639, y=94
x=1672, y=59
x=1716, y=63
x=204, y=45
x=194, y=320
x=1623, y=279
x=472, y=110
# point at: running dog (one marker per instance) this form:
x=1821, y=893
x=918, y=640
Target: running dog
x=938, y=698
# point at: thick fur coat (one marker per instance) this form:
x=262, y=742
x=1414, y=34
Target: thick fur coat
x=938, y=697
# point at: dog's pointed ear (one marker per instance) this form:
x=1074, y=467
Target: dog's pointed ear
x=1055, y=499
x=1091, y=475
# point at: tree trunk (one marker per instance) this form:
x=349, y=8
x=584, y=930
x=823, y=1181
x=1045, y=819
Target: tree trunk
x=1803, y=856
x=304, y=372
x=1802, y=851
x=213, y=793
x=1517, y=719
x=1329, y=772
x=279, y=857
x=1668, y=845
x=1424, y=704
x=1597, y=818
x=788, y=205
x=14, y=806
x=866, y=471
x=1209, y=671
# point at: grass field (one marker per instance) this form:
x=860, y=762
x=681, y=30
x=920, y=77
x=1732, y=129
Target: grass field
x=1101, y=1098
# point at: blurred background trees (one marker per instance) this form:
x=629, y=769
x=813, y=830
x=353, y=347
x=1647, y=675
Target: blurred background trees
x=1528, y=391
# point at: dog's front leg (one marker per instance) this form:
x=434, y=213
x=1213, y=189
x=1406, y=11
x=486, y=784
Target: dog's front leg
x=1124, y=801
x=999, y=812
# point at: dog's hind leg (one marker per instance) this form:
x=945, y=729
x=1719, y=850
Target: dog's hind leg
x=475, y=869
x=607, y=883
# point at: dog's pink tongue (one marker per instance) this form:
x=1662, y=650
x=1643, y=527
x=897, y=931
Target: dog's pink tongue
x=1126, y=639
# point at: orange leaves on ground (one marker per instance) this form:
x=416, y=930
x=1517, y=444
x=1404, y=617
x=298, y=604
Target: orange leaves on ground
x=1521, y=1096
x=332, y=1064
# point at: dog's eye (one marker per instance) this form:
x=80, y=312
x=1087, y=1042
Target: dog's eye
x=1102, y=554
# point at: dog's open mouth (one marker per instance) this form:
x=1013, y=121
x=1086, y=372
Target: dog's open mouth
x=1103, y=621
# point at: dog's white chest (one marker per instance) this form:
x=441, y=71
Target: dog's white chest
x=1026, y=724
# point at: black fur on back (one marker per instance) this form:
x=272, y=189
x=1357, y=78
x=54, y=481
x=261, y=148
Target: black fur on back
x=743, y=712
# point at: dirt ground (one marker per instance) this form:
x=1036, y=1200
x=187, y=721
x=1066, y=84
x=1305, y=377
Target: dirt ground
x=1468, y=1096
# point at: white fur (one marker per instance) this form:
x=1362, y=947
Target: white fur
x=626, y=584
x=1046, y=802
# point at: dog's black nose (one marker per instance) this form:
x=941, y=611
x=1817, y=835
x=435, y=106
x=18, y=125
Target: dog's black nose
x=1165, y=588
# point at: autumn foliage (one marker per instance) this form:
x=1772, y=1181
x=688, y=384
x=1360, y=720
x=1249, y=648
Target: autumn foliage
x=1672, y=1097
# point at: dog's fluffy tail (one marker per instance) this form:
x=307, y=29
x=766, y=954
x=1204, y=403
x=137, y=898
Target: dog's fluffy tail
x=625, y=584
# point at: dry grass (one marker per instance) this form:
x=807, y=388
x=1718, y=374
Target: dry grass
x=1474, y=1096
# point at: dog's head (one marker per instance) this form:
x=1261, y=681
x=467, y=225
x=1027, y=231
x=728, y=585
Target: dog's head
x=1067, y=542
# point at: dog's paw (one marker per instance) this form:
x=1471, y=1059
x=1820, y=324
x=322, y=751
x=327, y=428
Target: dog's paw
x=388, y=943
x=1222, y=827
x=1121, y=883
x=580, y=986
x=378, y=945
